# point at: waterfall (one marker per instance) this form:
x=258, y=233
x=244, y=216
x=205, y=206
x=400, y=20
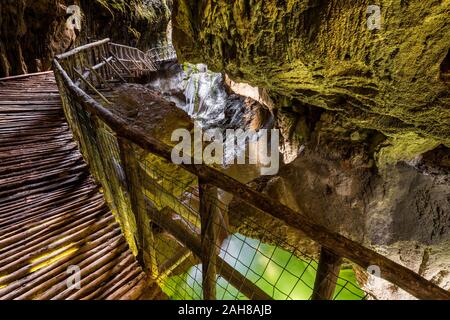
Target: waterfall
x=202, y=94
x=206, y=98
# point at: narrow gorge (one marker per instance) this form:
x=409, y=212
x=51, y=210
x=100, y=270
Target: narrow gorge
x=350, y=101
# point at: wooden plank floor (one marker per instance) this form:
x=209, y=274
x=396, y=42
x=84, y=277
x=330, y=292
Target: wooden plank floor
x=52, y=215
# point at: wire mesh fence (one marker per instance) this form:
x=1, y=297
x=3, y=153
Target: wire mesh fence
x=281, y=270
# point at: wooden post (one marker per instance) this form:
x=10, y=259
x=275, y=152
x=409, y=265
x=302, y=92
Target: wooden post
x=100, y=78
x=79, y=57
x=209, y=216
x=90, y=61
x=115, y=71
x=145, y=238
x=103, y=54
x=137, y=70
x=121, y=63
x=327, y=275
x=97, y=60
x=185, y=236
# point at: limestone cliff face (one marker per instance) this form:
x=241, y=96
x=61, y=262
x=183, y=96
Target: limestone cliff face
x=33, y=31
x=140, y=23
x=394, y=80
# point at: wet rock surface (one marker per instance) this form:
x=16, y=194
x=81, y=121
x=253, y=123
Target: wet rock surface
x=322, y=53
x=149, y=110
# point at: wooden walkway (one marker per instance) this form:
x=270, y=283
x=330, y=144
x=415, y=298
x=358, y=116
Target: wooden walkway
x=52, y=215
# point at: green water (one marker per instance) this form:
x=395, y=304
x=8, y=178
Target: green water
x=276, y=271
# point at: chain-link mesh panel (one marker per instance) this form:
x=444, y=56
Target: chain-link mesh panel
x=281, y=270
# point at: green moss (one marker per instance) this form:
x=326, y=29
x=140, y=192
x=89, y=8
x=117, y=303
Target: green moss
x=134, y=32
x=322, y=54
x=136, y=8
x=404, y=147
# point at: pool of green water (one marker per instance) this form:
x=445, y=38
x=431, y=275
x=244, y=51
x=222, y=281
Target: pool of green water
x=275, y=270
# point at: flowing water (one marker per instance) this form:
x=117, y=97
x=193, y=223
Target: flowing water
x=202, y=94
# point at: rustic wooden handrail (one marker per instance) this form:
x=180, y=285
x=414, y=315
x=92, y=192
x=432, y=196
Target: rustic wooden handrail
x=27, y=75
x=340, y=245
x=97, y=61
x=82, y=48
x=130, y=54
x=169, y=53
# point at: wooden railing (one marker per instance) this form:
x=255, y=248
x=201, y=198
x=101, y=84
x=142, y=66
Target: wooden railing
x=94, y=65
x=77, y=103
x=161, y=54
x=134, y=58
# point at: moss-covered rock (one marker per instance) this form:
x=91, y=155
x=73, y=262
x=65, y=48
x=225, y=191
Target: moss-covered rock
x=322, y=53
x=140, y=23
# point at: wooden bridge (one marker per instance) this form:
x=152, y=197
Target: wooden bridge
x=52, y=214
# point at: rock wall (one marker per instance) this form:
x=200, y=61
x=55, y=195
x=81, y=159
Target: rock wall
x=394, y=80
x=140, y=23
x=402, y=212
x=28, y=34
x=33, y=31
